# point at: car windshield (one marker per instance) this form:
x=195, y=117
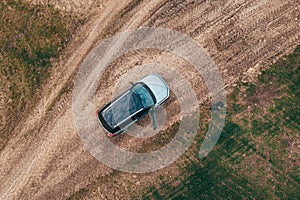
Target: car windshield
x=144, y=94
x=130, y=102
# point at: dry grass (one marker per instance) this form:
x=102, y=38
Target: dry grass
x=31, y=37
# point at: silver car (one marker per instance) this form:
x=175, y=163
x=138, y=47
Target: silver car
x=141, y=98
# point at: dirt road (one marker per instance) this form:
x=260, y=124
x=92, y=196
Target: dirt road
x=46, y=159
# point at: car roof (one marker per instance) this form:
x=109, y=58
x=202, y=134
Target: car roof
x=122, y=108
x=132, y=101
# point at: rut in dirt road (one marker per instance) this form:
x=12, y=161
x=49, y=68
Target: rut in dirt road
x=46, y=159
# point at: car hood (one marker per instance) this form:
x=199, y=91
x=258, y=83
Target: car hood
x=158, y=86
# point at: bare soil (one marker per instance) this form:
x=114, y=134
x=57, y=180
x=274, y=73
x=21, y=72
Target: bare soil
x=76, y=7
x=45, y=158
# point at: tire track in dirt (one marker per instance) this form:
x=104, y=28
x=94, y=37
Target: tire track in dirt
x=52, y=163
